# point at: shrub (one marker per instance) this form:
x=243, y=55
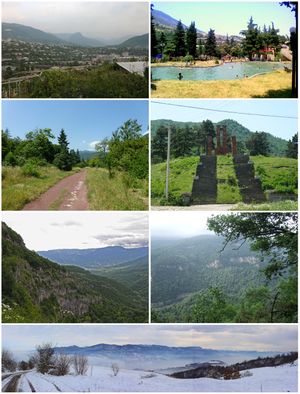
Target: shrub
x=30, y=169
x=10, y=160
x=63, y=161
x=62, y=365
x=80, y=364
x=115, y=368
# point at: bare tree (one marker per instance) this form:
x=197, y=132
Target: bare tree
x=44, y=358
x=62, y=364
x=115, y=368
x=8, y=361
x=80, y=364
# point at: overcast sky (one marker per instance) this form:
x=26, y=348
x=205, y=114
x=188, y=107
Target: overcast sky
x=64, y=230
x=179, y=224
x=279, y=127
x=281, y=338
x=101, y=20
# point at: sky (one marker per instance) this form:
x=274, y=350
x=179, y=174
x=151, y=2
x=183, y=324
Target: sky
x=281, y=338
x=179, y=224
x=106, y=21
x=64, y=230
x=85, y=122
x=279, y=127
x=229, y=17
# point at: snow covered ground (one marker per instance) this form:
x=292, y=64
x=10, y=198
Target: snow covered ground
x=102, y=379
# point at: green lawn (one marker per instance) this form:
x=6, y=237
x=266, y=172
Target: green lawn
x=117, y=193
x=19, y=189
x=276, y=173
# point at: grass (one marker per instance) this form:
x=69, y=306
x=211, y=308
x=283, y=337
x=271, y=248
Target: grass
x=117, y=193
x=277, y=173
x=19, y=189
x=182, y=172
x=268, y=206
x=274, y=84
x=228, y=190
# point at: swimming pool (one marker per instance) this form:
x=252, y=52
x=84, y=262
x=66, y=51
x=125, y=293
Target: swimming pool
x=225, y=71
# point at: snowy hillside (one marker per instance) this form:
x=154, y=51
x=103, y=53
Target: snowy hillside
x=101, y=379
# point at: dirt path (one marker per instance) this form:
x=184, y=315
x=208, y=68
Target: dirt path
x=12, y=385
x=69, y=194
x=208, y=207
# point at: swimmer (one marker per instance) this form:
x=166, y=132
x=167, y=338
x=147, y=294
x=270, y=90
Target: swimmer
x=180, y=76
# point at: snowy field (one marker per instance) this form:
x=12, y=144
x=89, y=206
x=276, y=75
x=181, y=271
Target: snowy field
x=102, y=379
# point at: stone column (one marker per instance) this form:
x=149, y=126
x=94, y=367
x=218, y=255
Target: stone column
x=224, y=150
x=209, y=145
x=218, y=141
x=233, y=146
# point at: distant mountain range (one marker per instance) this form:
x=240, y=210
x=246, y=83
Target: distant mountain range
x=165, y=22
x=20, y=32
x=94, y=258
x=156, y=356
x=278, y=145
x=41, y=291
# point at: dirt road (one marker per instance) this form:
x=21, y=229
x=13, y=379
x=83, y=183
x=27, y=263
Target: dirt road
x=12, y=385
x=208, y=207
x=69, y=194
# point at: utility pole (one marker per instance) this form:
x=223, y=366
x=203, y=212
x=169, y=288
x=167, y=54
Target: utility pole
x=168, y=163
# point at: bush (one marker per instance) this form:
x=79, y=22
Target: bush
x=63, y=161
x=8, y=361
x=80, y=364
x=115, y=368
x=10, y=160
x=30, y=169
x=62, y=365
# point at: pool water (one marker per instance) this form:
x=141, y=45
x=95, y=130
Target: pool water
x=225, y=71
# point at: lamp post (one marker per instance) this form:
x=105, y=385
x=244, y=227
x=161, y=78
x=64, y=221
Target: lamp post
x=294, y=48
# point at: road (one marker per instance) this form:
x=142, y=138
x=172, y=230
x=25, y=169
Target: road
x=207, y=207
x=69, y=194
x=12, y=385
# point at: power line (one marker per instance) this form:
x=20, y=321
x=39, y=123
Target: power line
x=224, y=111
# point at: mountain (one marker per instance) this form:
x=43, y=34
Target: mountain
x=19, y=32
x=133, y=274
x=136, y=42
x=156, y=356
x=165, y=21
x=278, y=145
x=35, y=289
x=94, y=258
x=79, y=39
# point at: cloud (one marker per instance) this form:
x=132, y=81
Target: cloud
x=66, y=223
x=93, y=144
x=130, y=241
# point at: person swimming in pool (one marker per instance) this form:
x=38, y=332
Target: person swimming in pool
x=180, y=76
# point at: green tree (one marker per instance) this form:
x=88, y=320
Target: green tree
x=153, y=37
x=274, y=235
x=211, y=306
x=63, y=160
x=38, y=145
x=179, y=40
x=159, y=145
x=292, y=147
x=191, y=40
x=210, y=47
x=162, y=42
x=182, y=142
x=258, y=144
x=250, y=43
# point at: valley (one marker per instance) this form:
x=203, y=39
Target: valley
x=36, y=289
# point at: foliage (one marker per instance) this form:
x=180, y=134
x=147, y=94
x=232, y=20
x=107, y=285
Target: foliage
x=292, y=147
x=179, y=40
x=191, y=40
x=275, y=235
x=258, y=144
x=210, y=47
x=105, y=81
x=44, y=357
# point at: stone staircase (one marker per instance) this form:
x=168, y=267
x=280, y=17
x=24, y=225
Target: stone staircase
x=204, y=189
x=250, y=186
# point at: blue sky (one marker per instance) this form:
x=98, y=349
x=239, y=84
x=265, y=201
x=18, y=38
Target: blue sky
x=281, y=338
x=283, y=128
x=229, y=17
x=84, y=121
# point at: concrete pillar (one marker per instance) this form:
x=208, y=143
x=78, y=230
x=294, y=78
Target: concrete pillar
x=209, y=145
x=233, y=146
